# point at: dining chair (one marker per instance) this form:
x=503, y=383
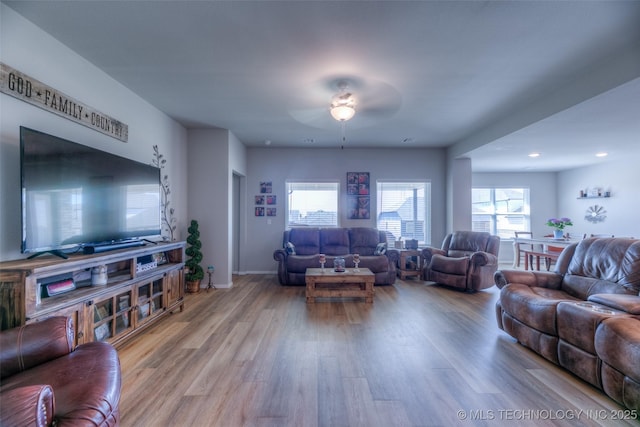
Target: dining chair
x=550, y=254
x=553, y=253
x=521, y=247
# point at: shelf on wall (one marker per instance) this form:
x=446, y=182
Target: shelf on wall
x=594, y=197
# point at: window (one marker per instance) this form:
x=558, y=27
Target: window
x=312, y=203
x=500, y=211
x=404, y=210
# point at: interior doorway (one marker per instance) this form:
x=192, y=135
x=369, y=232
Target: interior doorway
x=237, y=214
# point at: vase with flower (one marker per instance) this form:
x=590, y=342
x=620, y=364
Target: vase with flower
x=558, y=225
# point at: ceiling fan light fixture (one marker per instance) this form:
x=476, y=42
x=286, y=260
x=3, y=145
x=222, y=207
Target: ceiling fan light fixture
x=343, y=107
x=342, y=113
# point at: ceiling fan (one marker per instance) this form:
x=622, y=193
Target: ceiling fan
x=364, y=102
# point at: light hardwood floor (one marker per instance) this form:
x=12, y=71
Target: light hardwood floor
x=420, y=355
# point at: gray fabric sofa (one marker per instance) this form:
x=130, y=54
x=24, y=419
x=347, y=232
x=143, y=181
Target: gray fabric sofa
x=301, y=249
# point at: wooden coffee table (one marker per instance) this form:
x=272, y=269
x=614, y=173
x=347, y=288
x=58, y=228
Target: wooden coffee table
x=328, y=283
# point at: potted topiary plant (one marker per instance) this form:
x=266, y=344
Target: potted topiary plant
x=195, y=273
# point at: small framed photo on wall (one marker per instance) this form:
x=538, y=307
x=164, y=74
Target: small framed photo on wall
x=259, y=200
x=259, y=211
x=266, y=187
x=271, y=200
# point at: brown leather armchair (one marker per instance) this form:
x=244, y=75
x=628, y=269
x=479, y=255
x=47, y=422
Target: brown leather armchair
x=467, y=260
x=46, y=381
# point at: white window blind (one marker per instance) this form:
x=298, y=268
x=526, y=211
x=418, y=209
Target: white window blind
x=404, y=210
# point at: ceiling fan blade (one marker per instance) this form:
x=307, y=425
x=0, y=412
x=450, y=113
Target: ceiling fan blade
x=380, y=99
x=318, y=118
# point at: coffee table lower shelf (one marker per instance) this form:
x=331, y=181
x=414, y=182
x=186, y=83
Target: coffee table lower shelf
x=326, y=283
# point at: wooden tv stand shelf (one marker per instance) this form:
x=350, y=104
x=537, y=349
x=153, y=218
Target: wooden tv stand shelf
x=144, y=284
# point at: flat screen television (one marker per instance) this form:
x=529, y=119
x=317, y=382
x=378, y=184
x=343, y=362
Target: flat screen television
x=74, y=196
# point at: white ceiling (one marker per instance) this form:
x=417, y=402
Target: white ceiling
x=497, y=79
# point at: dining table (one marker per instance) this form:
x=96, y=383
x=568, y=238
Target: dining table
x=545, y=242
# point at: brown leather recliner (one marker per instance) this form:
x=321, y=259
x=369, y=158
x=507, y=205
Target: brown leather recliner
x=584, y=316
x=466, y=260
x=46, y=381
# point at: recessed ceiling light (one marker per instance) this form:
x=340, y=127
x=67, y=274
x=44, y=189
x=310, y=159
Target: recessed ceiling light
x=534, y=155
x=602, y=154
x=267, y=142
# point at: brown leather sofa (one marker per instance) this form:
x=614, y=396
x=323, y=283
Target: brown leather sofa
x=46, y=381
x=301, y=249
x=466, y=260
x=584, y=316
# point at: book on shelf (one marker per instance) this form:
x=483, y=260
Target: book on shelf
x=143, y=311
x=57, y=288
x=123, y=302
x=122, y=321
x=100, y=313
x=102, y=332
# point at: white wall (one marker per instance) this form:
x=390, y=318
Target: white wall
x=214, y=155
x=459, y=198
x=622, y=178
x=264, y=234
x=28, y=49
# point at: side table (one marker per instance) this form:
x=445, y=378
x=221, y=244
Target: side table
x=410, y=263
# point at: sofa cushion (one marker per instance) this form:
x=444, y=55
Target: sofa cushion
x=583, y=287
x=444, y=264
x=627, y=303
x=611, y=264
x=534, y=306
x=300, y=263
x=306, y=240
x=334, y=241
x=617, y=343
x=375, y=263
x=578, y=321
x=464, y=243
x=364, y=241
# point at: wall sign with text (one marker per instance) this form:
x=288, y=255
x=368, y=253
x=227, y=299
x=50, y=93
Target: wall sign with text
x=25, y=88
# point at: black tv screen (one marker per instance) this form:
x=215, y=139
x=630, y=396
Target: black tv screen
x=74, y=195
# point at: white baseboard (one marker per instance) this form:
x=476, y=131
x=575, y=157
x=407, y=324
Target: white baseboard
x=218, y=285
x=243, y=273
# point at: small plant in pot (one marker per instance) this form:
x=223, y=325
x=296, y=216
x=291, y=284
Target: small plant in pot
x=195, y=273
x=558, y=226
